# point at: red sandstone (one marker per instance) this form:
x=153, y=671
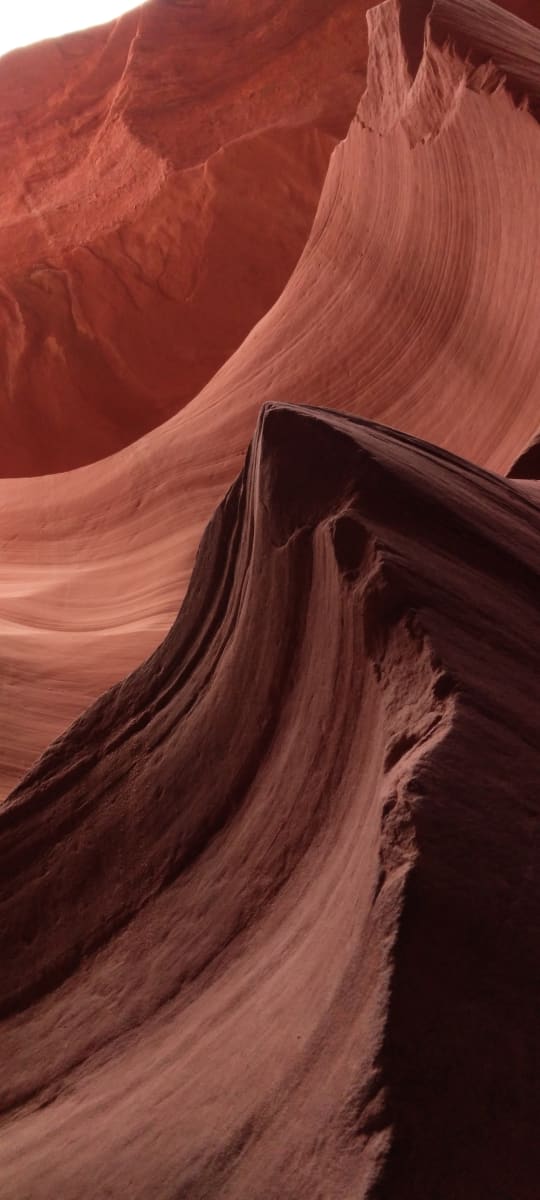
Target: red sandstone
x=269, y=910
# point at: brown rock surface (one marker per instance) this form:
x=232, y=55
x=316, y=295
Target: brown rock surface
x=527, y=466
x=269, y=913
x=416, y=302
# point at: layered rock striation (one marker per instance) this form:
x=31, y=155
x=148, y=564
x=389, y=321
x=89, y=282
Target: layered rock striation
x=269, y=910
x=415, y=303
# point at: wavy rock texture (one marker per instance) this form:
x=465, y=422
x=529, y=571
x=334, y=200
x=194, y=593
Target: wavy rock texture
x=269, y=909
x=415, y=302
x=137, y=249
x=249, y=901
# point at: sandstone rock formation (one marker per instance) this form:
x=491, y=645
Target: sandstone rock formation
x=137, y=249
x=269, y=909
x=415, y=303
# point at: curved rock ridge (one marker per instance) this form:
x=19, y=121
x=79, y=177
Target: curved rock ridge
x=527, y=466
x=159, y=177
x=249, y=899
x=149, y=217
x=481, y=32
x=415, y=303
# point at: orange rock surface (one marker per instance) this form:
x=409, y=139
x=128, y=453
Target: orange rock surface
x=136, y=252
x=415, y=303
x=269, y=910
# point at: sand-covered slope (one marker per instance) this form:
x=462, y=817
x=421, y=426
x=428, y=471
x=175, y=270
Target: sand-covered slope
x=269, y=911
x=415, y=302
